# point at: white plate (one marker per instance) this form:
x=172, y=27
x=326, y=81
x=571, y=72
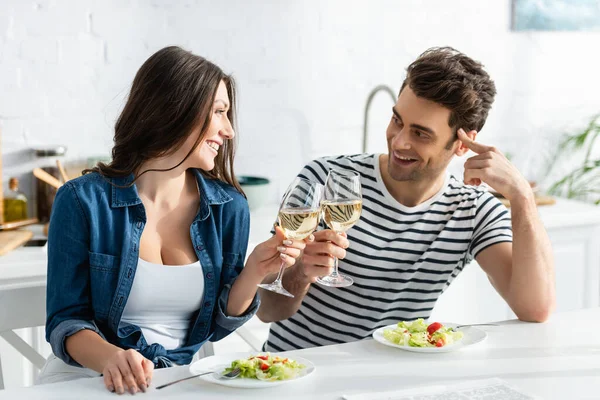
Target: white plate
x=471, y=336
x=219, y=362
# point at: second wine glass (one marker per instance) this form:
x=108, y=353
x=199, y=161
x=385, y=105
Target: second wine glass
x=298, y=217
x=342, y=205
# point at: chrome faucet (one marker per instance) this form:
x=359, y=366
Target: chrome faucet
x=368, y=105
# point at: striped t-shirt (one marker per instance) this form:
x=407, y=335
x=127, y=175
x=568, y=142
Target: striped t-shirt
x=401, y=258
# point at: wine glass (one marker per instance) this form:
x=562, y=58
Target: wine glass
x=298, y=217
x=342, y=205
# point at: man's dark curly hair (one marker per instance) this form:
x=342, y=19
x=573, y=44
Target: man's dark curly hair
x=448, y=77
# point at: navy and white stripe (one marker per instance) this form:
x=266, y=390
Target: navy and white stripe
x=401, y=258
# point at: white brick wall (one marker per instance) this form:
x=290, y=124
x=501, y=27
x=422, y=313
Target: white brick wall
x=304, y=69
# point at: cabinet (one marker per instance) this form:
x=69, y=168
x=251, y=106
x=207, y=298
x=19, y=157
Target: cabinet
x=574, y=230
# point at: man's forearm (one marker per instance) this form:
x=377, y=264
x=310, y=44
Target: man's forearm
x=275, y=307
x=531, y=292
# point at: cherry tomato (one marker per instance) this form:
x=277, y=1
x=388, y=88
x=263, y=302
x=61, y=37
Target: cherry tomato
x=433, y=327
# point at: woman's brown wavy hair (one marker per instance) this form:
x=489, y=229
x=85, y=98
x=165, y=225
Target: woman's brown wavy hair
x=172, y=93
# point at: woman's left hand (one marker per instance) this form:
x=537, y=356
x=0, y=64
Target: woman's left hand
x=268, y=256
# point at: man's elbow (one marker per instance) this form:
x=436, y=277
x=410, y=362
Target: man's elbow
x=269, y=314
x=264, y=316
x=540, y=313
x=534, y=316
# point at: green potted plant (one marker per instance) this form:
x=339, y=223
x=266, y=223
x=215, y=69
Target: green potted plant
x=582, y=180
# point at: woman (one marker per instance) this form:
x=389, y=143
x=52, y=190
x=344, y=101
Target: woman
x=146, y=254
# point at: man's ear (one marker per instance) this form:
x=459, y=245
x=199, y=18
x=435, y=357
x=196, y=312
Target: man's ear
x=461, y=150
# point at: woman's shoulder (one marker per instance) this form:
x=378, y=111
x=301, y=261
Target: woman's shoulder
x=91, y=187
x=91, y=179
x=90, y=183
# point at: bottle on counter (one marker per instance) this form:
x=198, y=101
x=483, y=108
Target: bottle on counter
x=15, y=202
x=44, y=192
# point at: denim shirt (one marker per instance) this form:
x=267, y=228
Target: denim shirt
x=93, y=250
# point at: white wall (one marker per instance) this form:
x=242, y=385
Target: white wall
x=304, y=69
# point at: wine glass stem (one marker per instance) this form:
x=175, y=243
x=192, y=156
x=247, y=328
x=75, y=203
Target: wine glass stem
x=277, y=280
x=335, y=263
x=335, y=267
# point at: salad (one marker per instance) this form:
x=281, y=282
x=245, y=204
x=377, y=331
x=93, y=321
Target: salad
x=418, y=334
x=267, y=368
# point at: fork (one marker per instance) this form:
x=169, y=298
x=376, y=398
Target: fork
x=230, y=375
x=466, y=325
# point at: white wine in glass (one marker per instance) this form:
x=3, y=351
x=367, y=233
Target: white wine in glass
x=298, y=217
x=342, y=205
x=341, y=215
x=298, y=223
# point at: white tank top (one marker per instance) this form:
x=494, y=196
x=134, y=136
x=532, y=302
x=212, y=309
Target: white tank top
x=162, y=301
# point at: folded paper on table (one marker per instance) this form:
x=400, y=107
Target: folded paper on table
x=469, y=390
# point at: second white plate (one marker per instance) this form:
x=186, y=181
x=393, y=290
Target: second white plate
x=219, y=362
x=471, y=336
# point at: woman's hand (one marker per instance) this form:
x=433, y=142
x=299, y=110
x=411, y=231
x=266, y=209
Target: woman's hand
x=266, y=258
x=127, y=370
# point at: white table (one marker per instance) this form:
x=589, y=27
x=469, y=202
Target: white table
x=559, y=359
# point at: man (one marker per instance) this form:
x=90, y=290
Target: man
x=419, y=227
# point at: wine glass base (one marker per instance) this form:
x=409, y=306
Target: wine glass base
x=275, y=288
x=335, y=281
